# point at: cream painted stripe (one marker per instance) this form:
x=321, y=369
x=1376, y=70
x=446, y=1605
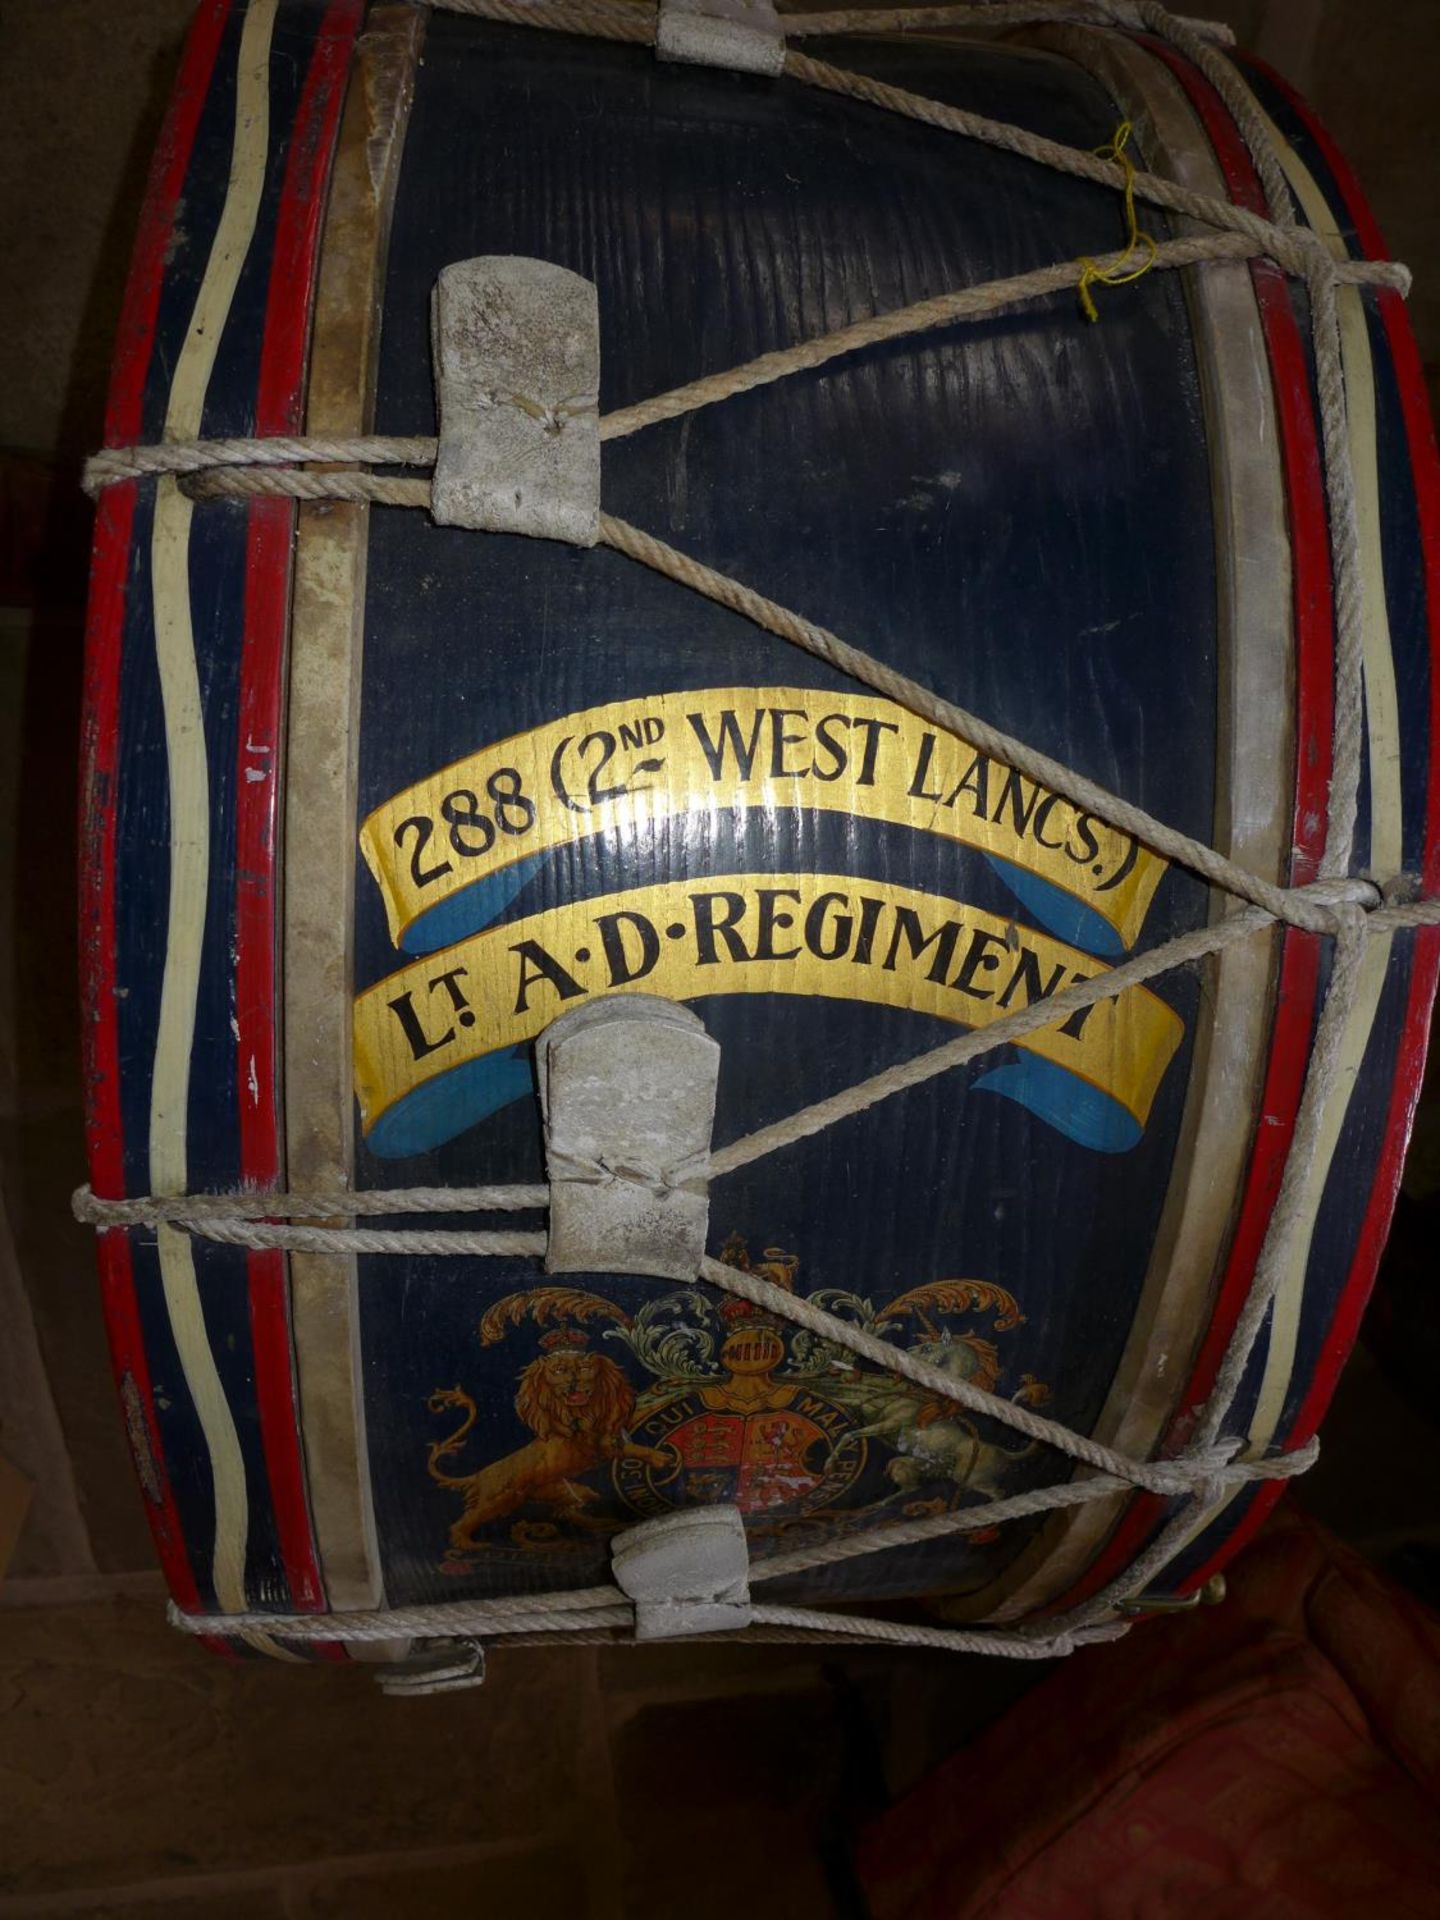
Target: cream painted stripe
x=190, y=805
x=1383, y=729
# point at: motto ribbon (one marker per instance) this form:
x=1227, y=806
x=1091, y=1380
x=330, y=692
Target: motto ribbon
x=435, y=1043
x=452, y=851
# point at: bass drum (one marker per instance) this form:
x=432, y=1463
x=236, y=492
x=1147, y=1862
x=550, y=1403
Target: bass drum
x=371, y=801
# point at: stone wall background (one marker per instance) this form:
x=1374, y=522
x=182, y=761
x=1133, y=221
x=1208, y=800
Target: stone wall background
x=140, y=1776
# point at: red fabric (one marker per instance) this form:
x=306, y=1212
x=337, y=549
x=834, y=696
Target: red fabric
x=1272, y=1758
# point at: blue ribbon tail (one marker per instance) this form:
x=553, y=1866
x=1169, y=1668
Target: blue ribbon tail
x=1059, y=912
x=441, y=1108
x=1072, y=1106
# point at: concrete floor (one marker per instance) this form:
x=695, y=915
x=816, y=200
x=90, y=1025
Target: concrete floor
x=140, y=1776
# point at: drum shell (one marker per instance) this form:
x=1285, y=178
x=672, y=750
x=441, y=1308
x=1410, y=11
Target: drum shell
x=1033, y=514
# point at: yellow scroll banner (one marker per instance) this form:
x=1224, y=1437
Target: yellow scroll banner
x=635, y=763
x=810, y=934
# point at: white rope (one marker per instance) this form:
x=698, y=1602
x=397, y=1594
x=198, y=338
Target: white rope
x=1067, y=1493
x=605, y=1607
x=240, y=468
x=1167, y=1477
x=1178, y=1476
x=448, y=1244
x=483, y=1620
x=990, y=14
x=190, y=1209
x=1350, y=910
x=1289, y=904
x=635, y=20
x=114, y=464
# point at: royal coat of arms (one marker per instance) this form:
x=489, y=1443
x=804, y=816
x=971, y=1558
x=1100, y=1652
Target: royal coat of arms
x=693, y=1401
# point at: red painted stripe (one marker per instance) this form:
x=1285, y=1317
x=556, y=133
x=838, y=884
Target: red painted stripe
x=270, y=532
x=1300, y=953
x=1425, y=969
x=280, y=390
x=141, y=305
x=99, y=772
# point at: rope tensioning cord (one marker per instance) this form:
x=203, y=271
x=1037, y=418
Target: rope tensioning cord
x=1349, y=910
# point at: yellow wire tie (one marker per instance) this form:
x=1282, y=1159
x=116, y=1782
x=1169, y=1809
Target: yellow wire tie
x=1121, y=274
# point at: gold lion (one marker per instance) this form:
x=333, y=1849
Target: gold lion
x=577, y=1404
